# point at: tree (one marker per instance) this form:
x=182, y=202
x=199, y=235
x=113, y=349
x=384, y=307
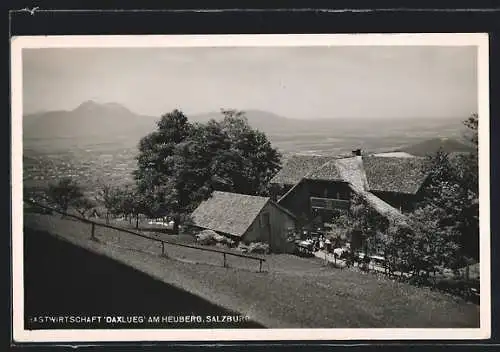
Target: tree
x=155, y=162
x=110, y=197
x=364, y=221
x=472, y=124
x=450, y=197
x=65, y=193
x=132, y=204
x=181, y=164
x=260, y=161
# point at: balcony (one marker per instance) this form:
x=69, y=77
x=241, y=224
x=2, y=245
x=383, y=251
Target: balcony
x=329, y=203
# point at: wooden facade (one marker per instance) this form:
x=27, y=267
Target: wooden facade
x=271, y=226
x=311, y=198
x=403, y=202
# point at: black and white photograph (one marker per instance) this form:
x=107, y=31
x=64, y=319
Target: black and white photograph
x=242, y=187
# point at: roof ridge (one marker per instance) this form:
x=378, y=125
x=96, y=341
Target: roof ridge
x=290, y=190
x=370, y=197
x=242, y=194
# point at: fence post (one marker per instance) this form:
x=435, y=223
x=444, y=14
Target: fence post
x=92, y=233
x=224, y=259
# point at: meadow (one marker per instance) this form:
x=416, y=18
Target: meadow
x=293, y=292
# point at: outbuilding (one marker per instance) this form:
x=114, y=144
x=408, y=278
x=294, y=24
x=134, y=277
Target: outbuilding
x=245, y=218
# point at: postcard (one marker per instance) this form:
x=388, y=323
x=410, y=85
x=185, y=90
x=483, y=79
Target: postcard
x=250, y=187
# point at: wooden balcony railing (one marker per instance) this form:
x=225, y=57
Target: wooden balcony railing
x=329, y=203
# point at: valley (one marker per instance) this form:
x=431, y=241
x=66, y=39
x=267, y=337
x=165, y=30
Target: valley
x=96, y=152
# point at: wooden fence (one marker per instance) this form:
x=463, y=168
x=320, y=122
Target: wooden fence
x=93, y=225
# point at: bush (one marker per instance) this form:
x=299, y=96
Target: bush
x=242, y=247
x=258, y=248
x=209, y=237
x=206, y=237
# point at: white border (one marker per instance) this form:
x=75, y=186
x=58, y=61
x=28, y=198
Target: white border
x=147, y=41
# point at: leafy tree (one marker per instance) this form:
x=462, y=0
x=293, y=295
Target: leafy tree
x=363, y=226
x=472, y=123
x=420, y=245
x=260, y=161
x=181, y=164
x=65, y=193
x=132, y=204
x=451, y=196
x=110, y=197
x=155, y=162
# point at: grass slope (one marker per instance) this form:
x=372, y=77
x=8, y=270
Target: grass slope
x=294, y=293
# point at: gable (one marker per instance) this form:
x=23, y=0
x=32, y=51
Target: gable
x=230, y=213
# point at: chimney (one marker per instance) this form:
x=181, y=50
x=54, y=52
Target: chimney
x=356, y=152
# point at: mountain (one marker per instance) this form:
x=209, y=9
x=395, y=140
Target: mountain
x=431, y=146
x=112, y=124
x=89, y=119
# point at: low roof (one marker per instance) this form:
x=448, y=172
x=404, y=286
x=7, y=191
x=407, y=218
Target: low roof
x=395, y=174
x=230, y=213
x=382, y=207
x=297, y=166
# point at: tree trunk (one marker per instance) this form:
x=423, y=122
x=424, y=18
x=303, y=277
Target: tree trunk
x=176, y=225
x=107, y=217
x=136, y=221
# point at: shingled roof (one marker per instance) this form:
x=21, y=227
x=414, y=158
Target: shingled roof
x=326, y=172
x=352, y=171
x=297, y=166
x=394, y=174
x=382, y=207
x=364, y=174
x=230, y=213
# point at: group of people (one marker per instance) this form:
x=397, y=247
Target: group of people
x=321, y=242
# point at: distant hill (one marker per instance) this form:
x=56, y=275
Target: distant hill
x=262, y=120
x=89, y=119
x=430, y=146
x=112, y=125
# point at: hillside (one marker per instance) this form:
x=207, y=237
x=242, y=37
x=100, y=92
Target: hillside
x=431, y=146
x=321, y=296
x=263, y=120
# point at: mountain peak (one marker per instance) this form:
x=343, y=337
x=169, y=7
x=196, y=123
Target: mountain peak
x=91, y=105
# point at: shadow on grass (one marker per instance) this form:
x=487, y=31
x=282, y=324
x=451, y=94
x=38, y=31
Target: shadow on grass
x=63, y=280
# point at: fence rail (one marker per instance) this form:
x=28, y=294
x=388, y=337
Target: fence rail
x=162, y=241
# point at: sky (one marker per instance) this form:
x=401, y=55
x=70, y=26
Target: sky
x=295, y=82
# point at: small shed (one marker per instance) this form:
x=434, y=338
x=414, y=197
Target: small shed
x=246, y=219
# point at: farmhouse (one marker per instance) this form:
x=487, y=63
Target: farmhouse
x=246, y=219
x=312, y=186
